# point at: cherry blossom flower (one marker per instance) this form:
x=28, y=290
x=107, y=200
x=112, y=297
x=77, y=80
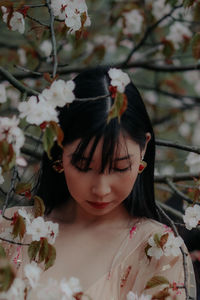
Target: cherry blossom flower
x=133, y=296
x=119, y=79
x=17, y=22
x=28, y=217
x=10, y=131
x=107, y=40
x=58, y=7
x=1, y=176
x=154, y=250
x=60, y=93
x=70, y=287
x=37, y=112
x=193, y=162
x=177, y=33
x=3, y=97
x=192, y=216
x=46, y=47
x=52, y=231
x=172, y=246
x=32, y=273
x=38, y=228
x=159, y=9
x=133, y=21
x=16, y=291
x=50, y=291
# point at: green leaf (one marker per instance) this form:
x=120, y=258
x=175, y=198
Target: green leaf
x=39, y=207
x=161, y=294
x=7, y=155
x=163, y=239
x=23, y=187
x=58, y=132
x=157, y=240
x=156, y=281
x=33, y=250
x=118, y=108
x=7, y=275
x=48, y=140
x=2, y=252
x=50, y=259
x=196, y=45
x=19, y=227
x=43, y=253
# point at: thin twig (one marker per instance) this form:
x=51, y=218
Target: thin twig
x=93, y=98
x=194, y=149
x=8, y=76
x=176, y=177
x=13, y=242
x=177, y=191
x=184, y=255
x=53, y=39
x=28, y=71
x=147, y=33
x=37, y=21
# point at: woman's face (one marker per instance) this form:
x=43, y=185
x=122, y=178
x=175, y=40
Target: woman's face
x=100, y=193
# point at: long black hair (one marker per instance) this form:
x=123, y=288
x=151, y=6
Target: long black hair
x=87, y=120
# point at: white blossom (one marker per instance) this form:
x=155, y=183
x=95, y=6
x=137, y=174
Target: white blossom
x=52, y=231
x=37, y=111
x=159, y=9
x=196, y=134
x=50, y=291
x=193, y=162
x=1, y=176
x=16, y=22
x=22, y=56
x=3, y=97
x=133, y=21
x=37, y=228
x=154, y=250
x=172, y=246
x=16, y=291
x=192, y=216
x=184, y=129
x=58, y=7
x=133, y=296
x=192, y=116
x=28, y=217
x=46, y=47
x=119, y=79
x=177, y=33
x=151, y=97
x=10, y=131
x=60, y=93
x=32, y=273
x=70, y=287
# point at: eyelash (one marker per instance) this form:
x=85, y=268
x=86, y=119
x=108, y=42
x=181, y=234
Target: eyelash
x=114, y=169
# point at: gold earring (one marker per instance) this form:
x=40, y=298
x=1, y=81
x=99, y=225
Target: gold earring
x=142, y=166
x=58, y=166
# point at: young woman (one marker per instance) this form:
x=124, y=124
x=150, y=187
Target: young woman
x=96, y=189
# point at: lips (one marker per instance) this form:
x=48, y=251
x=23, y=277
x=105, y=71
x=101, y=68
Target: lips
x=99, y=205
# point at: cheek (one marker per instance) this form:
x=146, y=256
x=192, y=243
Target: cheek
x=124, y=185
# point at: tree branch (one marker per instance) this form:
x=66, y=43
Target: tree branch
x=177, y=177
x=9, y=77
x=177, y=191
x=194, y=149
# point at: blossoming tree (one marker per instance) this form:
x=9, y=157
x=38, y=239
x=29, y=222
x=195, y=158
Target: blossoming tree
x=43, y=45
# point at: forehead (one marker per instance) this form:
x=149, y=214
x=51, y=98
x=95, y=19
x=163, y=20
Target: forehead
x=124, y=146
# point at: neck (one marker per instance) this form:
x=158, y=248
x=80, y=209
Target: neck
x=73, y=214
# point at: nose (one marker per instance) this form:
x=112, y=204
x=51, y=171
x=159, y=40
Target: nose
x=101, y=186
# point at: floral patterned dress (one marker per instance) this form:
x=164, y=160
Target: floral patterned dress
x=132, y=268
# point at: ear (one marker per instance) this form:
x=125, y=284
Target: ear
x=148, y=138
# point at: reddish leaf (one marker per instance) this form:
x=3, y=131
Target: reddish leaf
x=163, y=239
x=188, y=3
x=118, y=108
x=23, y=187
x=58, y=132
x=2, y=252
x=146, y=251
x=19, y=227
x=39, y=207
x=7, y=155
x=43, y=252
x=33, y=250
x=168, y=49
x=156, y=281
x=7, y=275
x=51, y=256
x=162, y=295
